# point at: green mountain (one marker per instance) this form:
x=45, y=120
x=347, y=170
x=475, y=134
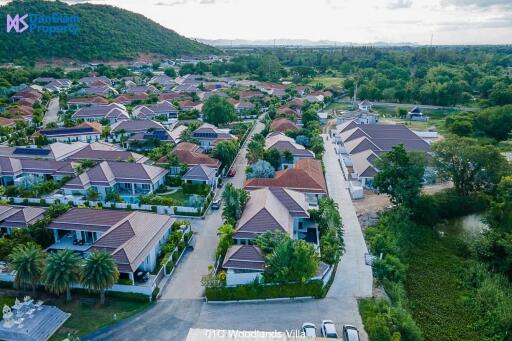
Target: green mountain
x=104, y=33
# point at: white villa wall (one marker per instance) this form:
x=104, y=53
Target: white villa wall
x=233, y=279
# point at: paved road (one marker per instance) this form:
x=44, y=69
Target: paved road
x=182, y=309
x=186, y=281
x=421, y=106
x=52, y=111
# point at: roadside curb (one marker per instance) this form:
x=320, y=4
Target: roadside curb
x=281, y=299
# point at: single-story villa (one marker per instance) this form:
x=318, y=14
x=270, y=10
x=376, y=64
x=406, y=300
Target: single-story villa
x=134, y=239
x=17, y=217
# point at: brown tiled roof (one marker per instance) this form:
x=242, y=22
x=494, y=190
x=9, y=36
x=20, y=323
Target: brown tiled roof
x=283, y=124
x=108, y=173
x=135, y=126
x=128, y=236
x=20, y=216
x=88, y=100
x=87, y=219
x=12, y=166
x=281, y=142
x=246, y=257
x=271, y=209
x=131, y=240
x=6, y=122
x=306, y=177
x=187, y=153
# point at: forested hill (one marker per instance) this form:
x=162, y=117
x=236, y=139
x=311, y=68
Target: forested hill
x=105, y=33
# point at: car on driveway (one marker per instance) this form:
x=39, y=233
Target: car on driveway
x=350, y=333
x=309, y=329
x=231, y=173
x=216, y=204
x=329, y=329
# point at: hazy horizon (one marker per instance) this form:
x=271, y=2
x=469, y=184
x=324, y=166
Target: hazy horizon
x=446, y=22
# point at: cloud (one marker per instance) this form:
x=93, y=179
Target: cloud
x=478, y=3
x=397, y=4
x=171, y=3
x=184, y=2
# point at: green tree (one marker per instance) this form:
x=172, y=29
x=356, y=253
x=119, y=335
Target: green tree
x=218, y=110
x=500, y=212
x=400, y=175
x=99, y=273
x=255, y=151
x=226, y=233
x=273, y=156
x=226, y=151
x=234, y=202
x=170, y=72
x=62, y=270
x=28, y=262
x=471, y=166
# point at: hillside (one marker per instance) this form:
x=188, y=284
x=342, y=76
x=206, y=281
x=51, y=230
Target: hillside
x=105, y=33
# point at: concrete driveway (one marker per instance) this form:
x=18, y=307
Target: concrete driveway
x=181, y=307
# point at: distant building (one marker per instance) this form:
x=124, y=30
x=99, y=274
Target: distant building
x=415, y=114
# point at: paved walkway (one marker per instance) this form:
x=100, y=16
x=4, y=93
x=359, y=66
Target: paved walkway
x=52, y=111
x=182, y=309
x=358, y=279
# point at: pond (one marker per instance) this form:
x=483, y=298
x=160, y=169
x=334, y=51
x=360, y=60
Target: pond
x=470, y=226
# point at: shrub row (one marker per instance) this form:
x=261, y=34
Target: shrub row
x=259, y=291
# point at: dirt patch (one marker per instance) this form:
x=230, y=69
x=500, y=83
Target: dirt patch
x=368, y=208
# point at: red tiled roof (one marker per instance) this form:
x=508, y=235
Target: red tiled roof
x=283, y=124
x=307, y=176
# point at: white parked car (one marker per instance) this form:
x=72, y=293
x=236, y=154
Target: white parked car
x=309, y=329
x=329, y=329
x=350, y=333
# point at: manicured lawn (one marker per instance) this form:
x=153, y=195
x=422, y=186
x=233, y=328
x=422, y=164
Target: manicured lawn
x=87, y=318
x=178, y=195
x=434, y=294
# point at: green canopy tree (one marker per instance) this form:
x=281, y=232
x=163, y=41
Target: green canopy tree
x=234, y=202
x=226, y=233
x=99, y=273
x=218, y=110
x=400, y=175
x=62, y=270
x=226, y=151
x=471, y=166
x=28, y=262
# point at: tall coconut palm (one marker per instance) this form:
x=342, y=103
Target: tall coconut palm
x=100, y=273
x=62, y=270
x=28, y=262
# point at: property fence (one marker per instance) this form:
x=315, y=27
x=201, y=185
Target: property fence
x=168, y=210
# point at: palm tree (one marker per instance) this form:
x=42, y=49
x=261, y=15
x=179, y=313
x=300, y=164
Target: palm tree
x=100, y=273
x=28, y=262
x=62, y=270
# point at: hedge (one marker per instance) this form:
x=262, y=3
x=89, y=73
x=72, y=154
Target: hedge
x=123, y=296
x=258, y=291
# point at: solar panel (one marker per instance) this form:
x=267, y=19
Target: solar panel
x=67, y=131
x=157, y=135
x=31, y=151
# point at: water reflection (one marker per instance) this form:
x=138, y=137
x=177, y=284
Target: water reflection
x=470, y=225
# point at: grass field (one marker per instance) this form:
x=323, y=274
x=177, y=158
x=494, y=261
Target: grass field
x=88, y=318
x=436, y=299
x=327, y=81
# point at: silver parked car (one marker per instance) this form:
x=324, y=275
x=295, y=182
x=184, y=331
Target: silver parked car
x=329, y=329
x=350, y=333
x=309, y=329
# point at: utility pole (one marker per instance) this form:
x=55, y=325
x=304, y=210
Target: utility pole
x=354, y=104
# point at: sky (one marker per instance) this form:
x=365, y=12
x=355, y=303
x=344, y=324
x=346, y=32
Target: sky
x=358, y=21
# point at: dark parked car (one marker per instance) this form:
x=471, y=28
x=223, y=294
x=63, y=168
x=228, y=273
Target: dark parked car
x=231, y=173
x=216, y=204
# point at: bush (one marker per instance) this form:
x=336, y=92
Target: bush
x=169, y=266
x=390, y=268
x=200, y=189
x=173, y=181
x=450, y=204
x=153, y=199
x=175, y=256
x=384, y=322
x=257, y=291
